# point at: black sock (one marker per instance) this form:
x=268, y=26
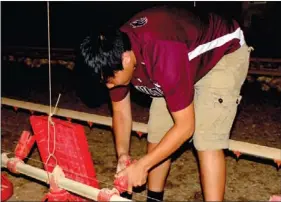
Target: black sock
x=126, y=195
x=154, y=196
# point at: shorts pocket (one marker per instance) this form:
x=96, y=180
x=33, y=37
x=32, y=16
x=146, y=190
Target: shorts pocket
x=215, y=114
x=225, y=106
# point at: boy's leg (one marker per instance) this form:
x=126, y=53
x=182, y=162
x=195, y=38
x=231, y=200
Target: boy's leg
x=160, y=121
x=217, y=96
x=157, y=178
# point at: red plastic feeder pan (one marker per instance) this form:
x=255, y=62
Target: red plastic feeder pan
x=7, y=188
x=71, y=151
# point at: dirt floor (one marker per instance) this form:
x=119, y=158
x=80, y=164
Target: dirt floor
x=248, y=179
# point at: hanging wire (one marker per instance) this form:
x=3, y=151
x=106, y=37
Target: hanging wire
x=51, y=154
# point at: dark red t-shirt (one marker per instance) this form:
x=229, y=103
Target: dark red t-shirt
x=174, y=49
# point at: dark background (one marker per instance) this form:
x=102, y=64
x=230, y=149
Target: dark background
x=25, y=23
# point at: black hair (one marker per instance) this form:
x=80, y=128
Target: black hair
x=102, y=51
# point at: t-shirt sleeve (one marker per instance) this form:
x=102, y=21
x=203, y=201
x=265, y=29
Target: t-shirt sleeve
x=118, y=93
x=172, y=71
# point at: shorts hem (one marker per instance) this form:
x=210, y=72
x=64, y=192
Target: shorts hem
x=152, y=141
x=211, y=146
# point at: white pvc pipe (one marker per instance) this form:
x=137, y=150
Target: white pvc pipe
x=64, y=183
x=242, y=147
x=82, y=116
x=255, y=150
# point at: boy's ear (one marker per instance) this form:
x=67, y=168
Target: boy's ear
x=126, y=58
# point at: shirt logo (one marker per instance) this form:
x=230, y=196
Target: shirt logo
x=155, y=92
x=139, y=22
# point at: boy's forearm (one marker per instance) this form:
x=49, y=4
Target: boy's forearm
x=122, y=126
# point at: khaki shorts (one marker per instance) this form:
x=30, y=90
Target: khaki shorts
x=216, y=98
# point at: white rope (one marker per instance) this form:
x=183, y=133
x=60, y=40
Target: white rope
x=51, y=154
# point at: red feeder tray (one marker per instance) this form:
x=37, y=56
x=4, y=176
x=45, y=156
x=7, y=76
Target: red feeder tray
x=7, y=188
x=71, y=150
